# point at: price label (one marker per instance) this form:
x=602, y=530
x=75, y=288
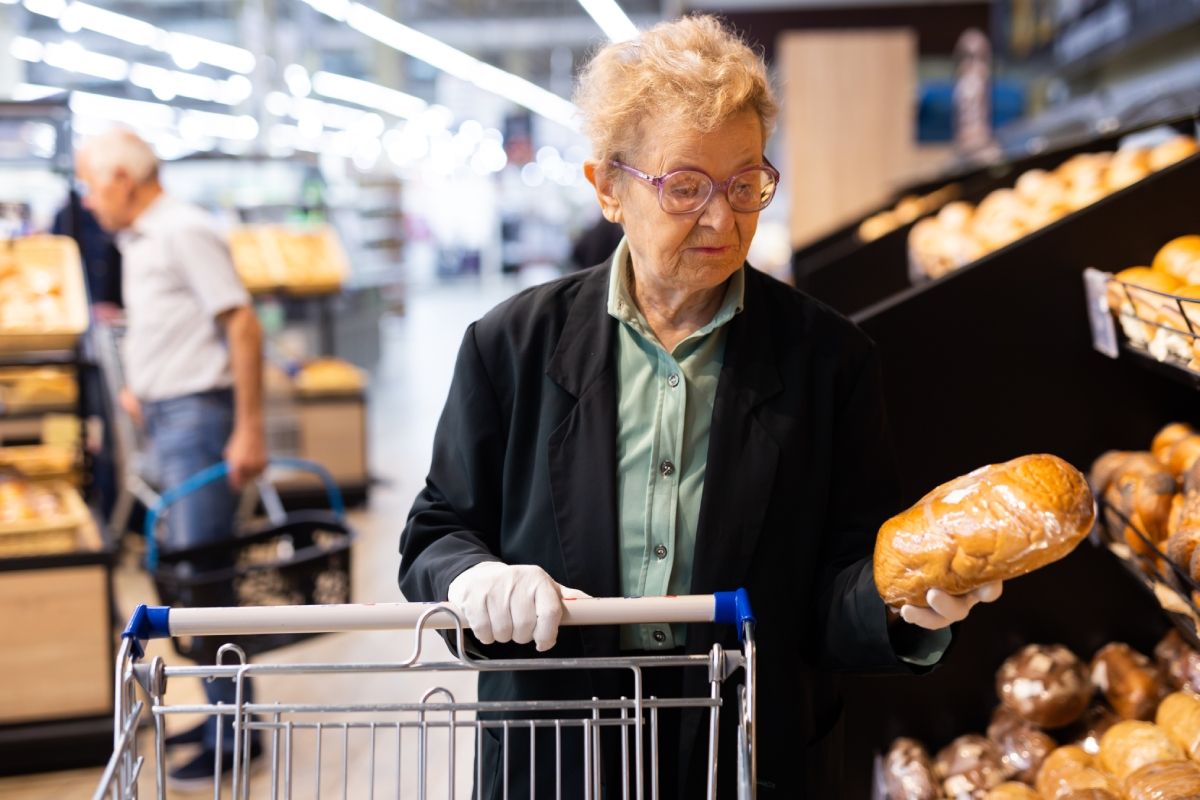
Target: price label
x=1104, y=329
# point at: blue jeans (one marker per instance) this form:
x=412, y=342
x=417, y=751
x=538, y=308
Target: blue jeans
x=186, y=435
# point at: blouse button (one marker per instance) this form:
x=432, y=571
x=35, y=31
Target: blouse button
x=660, y=551
x=673, y=381
x=666, y=468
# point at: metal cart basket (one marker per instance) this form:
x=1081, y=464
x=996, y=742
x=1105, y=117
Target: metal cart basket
x=413, y=742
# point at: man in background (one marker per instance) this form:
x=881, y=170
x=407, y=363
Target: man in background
x=193, y=361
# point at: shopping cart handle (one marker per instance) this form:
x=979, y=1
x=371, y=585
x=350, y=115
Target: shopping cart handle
x=217, y=472
x=158, y=622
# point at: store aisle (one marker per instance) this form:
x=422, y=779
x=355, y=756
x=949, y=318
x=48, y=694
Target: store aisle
x=407, y=393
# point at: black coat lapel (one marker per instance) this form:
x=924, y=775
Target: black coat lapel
x=582, y=453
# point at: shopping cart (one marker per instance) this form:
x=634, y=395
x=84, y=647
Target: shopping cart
x=437, y=715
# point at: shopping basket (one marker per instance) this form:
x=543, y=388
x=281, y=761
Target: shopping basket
x=290, y=558
x=411, y=742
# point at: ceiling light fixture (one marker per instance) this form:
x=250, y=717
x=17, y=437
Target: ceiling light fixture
x=616, y=25
x=438, y=54
x=367, y=93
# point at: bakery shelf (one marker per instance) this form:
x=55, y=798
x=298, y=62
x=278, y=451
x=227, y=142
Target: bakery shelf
x=1159, y=344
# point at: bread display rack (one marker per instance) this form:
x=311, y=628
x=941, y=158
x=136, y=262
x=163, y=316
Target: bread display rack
x=993, y=361
x=852, y=275
x=56, y=601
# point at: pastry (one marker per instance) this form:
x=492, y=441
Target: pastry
x=908, y=772
x=996, y=523
x=1178, y=662
x=1069, y=771
x=969, y=767
x=1179, y=715
x=1012, y=791
x=1045, y=685
x=1174, y=780
x=1128, y=681
x=1130, y=745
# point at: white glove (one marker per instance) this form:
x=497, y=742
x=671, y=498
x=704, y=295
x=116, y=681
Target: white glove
x=505, y=603
x=945, y=609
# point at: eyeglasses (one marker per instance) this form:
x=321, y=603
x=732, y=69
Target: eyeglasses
x=688, y=190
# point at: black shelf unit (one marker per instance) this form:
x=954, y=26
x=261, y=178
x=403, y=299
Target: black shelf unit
x=852, y=275
x=996, y=361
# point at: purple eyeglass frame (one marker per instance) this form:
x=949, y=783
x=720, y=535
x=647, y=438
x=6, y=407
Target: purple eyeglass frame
x=657, y=182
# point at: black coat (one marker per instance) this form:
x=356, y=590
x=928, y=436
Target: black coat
x=799, y=478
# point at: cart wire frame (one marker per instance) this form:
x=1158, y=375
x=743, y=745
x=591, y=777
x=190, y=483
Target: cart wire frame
x=437, y=710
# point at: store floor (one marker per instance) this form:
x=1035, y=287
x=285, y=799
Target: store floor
x=407, y=392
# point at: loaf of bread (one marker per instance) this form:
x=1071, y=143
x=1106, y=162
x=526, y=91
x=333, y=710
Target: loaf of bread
x=996, y=523
x=1128, y=680
x=969, y=767
x=1173, y=780
x=1179, y=716
x=1045, y=685
x=908, y=772
x=1023, y=746
x=1130, y=745
x=1178, y=662
x=1012, y=791
x=1070, y=771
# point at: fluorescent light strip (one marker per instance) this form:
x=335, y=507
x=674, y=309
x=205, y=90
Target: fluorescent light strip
x=185, y=48
x=400, y=37
x=366, y=93
x=74, y=58
x=24, y=92
x=192, y=124
x=612, y=20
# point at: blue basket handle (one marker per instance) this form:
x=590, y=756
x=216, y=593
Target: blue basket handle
x=219, y=471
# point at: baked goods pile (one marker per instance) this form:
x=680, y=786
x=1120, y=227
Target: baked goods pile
x=277, y=257
x=962, y=233
x=1120, y=727
x=907, y=209
x=996, y=523
x=1152, y=504
x=1158, y=307
x=329, y=376
x=22, y=501
x=34, y=293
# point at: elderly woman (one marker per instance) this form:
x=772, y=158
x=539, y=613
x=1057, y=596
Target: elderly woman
x=672, y=422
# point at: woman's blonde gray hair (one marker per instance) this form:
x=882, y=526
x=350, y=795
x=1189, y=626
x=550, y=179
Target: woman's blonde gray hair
x=694, y=71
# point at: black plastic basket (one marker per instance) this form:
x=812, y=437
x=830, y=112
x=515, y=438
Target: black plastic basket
x=293, y=558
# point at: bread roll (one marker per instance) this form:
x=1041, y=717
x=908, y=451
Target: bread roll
x=1128, y=746
x=1023, y=747
x=1012, y=791
x=1092, y=726
x=908, y=772
x=1174, y=149
x=1167, y=437
x=1183, y=454
x=1142, y=500
x=1179, y=715
x=1113, y=463
x=1090, y=794
x=996, y=523
x=1045, y=685
x=1128, y=166
x=956, y=216
x=1175, y=780
x=1178, y=662
x=1069, y=771
x=1128, y=680
x=1179, y=257
x=969, y=767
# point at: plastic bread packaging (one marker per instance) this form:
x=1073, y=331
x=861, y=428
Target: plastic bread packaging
x=969, y=767
x=1130, y=745
x=908, y=772
x=1023, y=747
x=1046, y=685
x=1173, y=780
x=1069, y=771
x=1128, y=681
x=996, y=523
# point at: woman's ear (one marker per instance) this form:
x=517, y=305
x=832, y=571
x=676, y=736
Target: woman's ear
x=601, y=179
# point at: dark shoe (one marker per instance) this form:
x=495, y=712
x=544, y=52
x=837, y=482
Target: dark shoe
x=198, y=774
x=190, y=736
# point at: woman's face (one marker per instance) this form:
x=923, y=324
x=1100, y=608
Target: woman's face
x=693, y=251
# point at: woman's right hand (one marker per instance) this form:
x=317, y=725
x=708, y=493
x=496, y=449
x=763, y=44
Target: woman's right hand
x=517, y=603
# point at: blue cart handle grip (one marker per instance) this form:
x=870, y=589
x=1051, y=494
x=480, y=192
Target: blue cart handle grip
x=219, y=471
x=733, y=608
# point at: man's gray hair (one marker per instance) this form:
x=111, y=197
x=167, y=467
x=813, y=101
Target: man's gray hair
x=120, y=150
